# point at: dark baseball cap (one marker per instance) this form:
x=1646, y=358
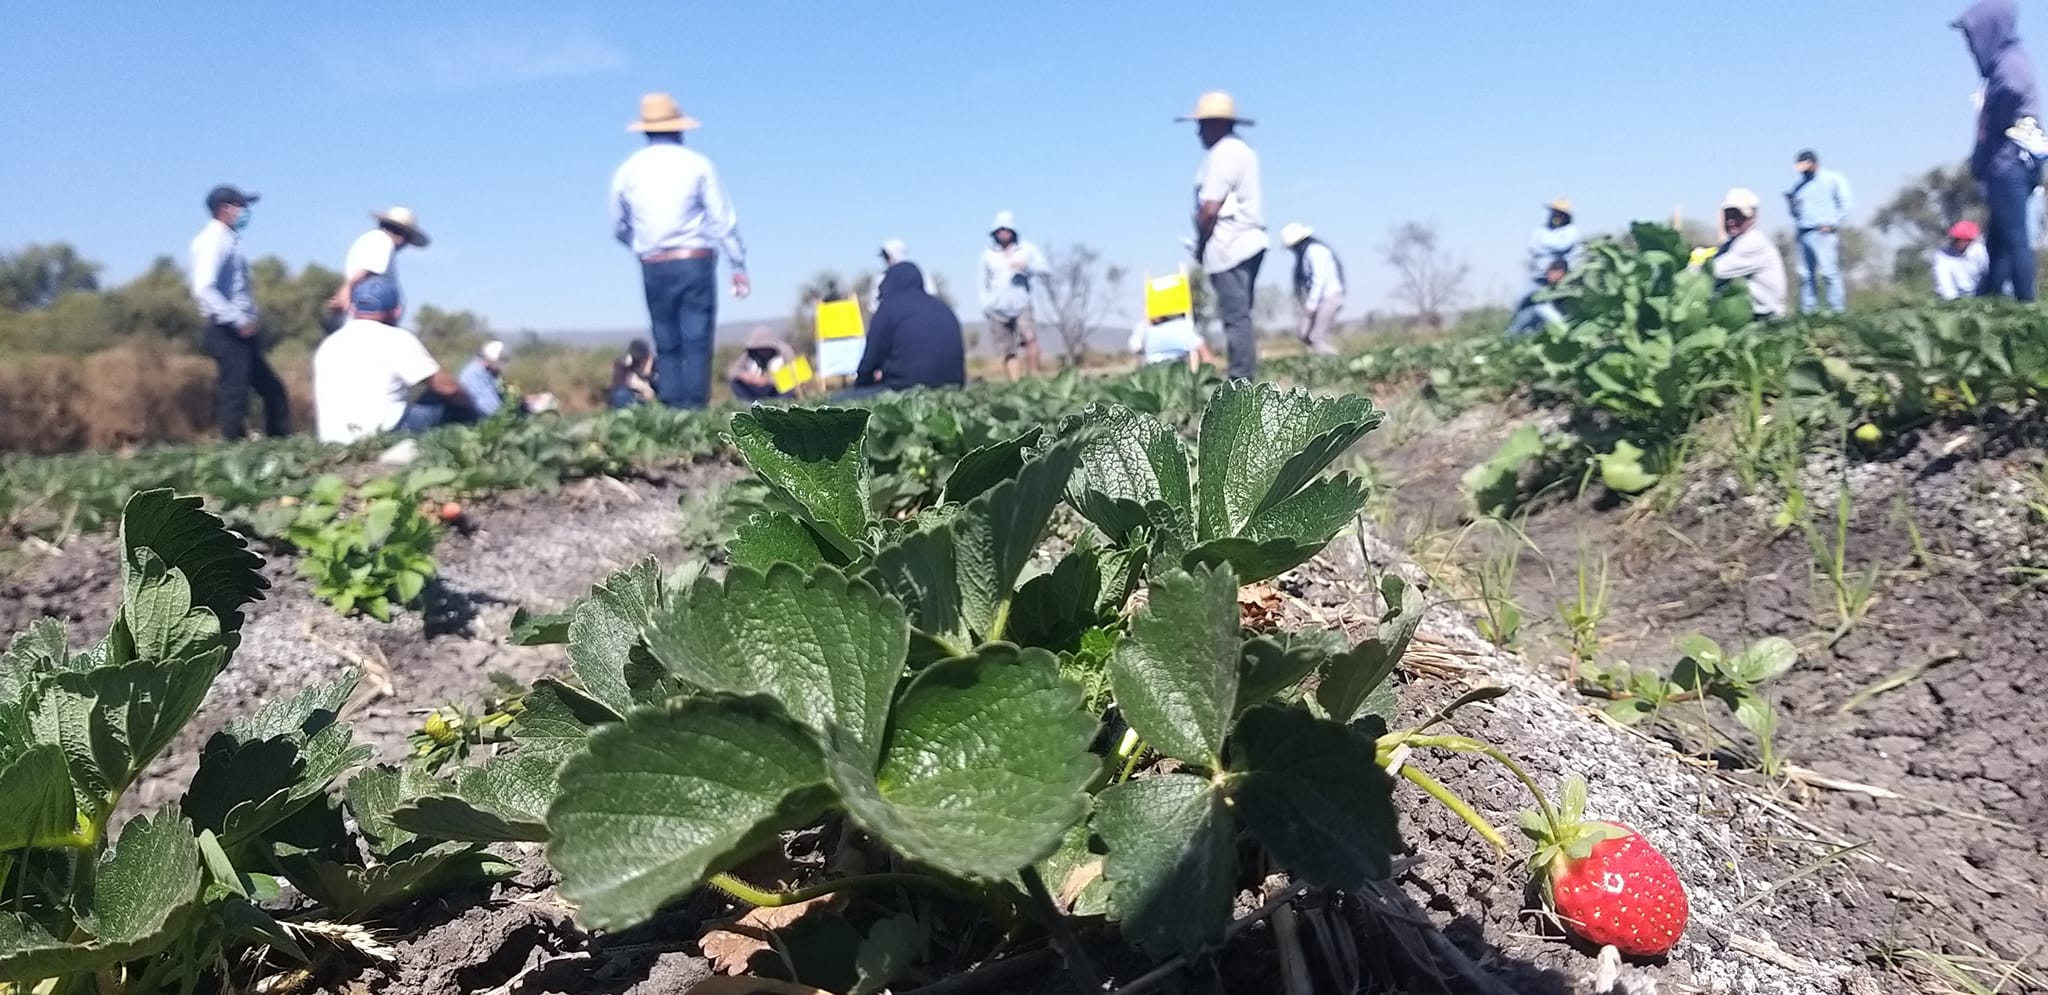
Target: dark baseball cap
x=225, y=194
x=1806, y=155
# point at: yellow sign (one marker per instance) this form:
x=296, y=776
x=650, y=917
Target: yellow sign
x=839, y=320
x=789, y=376
x=1168, y=297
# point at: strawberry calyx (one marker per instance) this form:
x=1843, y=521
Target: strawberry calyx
x=1563, y=835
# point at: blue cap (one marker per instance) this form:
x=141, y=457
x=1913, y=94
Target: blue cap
x=374, y=294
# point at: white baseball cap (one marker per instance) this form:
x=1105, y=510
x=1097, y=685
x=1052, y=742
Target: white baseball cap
x=894, y=251
x=493, y=350
x=1742, y=199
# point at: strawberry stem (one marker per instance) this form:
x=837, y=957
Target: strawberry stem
x=1435, y=789
x=1464, y=744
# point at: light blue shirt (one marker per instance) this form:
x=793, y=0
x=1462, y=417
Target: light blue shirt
x=481, y=385
x=1820, y=202
x=220, y=276
x=667, y=197
x=1167, y=341
x=1552, y=243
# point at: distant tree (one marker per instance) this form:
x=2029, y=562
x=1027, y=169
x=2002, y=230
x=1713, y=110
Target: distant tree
x=1083, y=292
x=33, y=277
x=1427, y=278
x=448, y=331
x=1917, y=218
x=292, y=304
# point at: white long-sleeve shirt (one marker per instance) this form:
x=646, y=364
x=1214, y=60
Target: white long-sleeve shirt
x=1959, y=275
x=1325, y=282
x=1006, y=276
x=220, y=276
x=667, y=197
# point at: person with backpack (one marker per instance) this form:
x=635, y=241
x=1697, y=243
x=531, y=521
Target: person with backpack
x=1318, y=286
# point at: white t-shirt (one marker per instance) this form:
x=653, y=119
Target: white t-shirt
x=1230, y=174
x=363, y=374
x=1169, y=340
x=374, y=252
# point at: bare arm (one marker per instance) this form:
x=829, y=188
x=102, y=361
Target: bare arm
x=450, y=392
x=1205, y=224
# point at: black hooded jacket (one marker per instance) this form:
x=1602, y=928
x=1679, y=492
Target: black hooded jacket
x=915, y=340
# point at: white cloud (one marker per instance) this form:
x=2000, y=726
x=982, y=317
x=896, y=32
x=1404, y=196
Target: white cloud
x=483, y=57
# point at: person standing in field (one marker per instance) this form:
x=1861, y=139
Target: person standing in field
x=1318, y=286
x=1008, y=267
x=1230, y=224
x=375, y=252
x=668, y=206
x=1557, y=241
x=1960, y=264
x=2006, y=158
x=1820, y=204
x=1746, y=253
x=220, y=287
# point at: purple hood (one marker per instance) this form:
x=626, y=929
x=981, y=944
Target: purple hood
x=1991, y=29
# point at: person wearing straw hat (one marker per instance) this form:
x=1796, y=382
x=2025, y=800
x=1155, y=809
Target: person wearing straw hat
x=1318, y=286
x=1961, y=262
x=1230, y=224
x=668, y=206
x=1557, y=240
x=1747, y=254
x=1008, y=266
x=375, y=252
x=220, y=287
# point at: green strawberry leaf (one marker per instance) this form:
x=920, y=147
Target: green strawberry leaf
x=262, y=767
x=33, y=653
x=831, y=650
x=1349, y=679
x=1764, y=659
x=148, y=887
x=1493, y=486
x=1622, y=472
x=538, y=628
x=1053, y=609
x=770, y=537
x=1171, y=863
x=503, y=800
x=554, y=714
x=986, y=766
x=1275, y=663
x=158, y=620
x=41, y=808
x=813, y=458
x=605, y=649
x=1176, y=674
x=1129, y=461
x=374, y=794
x=113, y=719
x=660, y=802
x=1260, y=446
x=223, y=575
x=982, y=469
x=921, y=569
x=996, y=533
x=1314, y=793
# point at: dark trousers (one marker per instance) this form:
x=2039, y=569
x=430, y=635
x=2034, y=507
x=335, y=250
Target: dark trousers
x=2006, y=238
x=242, y=369
x=1234, y=306
x=746, y=392
x=682, y=306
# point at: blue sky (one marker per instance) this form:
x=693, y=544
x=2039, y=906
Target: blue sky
x=838, y=126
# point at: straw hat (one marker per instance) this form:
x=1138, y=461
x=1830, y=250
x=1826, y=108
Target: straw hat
x=406, y=222
x=660, y=113
x=1294, y=233
x=1215, y=106
x=1562, y=205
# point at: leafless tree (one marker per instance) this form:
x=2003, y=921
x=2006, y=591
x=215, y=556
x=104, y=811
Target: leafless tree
x=1427, y=277
x=1084, y=292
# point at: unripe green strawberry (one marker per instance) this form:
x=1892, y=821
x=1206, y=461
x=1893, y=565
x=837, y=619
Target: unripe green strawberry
x=1606, y=883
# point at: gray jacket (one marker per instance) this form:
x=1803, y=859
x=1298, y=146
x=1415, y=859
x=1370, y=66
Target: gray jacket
x=1751, y=256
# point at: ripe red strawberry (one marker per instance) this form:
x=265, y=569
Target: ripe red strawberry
x=1607, y=883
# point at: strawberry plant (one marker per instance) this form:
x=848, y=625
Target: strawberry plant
x=1250, y=494
x=372, y=549
x=1704, y=672
x=153, y=904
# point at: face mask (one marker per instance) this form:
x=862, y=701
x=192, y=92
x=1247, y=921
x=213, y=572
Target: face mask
x=242, y=218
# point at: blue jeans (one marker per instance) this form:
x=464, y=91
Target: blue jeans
x=1820, y=258
x=1234, y=305
x=682, y=306
x=2007, y=238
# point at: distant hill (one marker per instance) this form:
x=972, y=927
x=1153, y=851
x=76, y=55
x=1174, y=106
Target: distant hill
x=1108, y=338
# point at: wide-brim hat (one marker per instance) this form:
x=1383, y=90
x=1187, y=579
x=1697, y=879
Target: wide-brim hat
x=1562, y=205
x=659, y=113
x=406, y=222
x=1294, y=233
x=1215, y=106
